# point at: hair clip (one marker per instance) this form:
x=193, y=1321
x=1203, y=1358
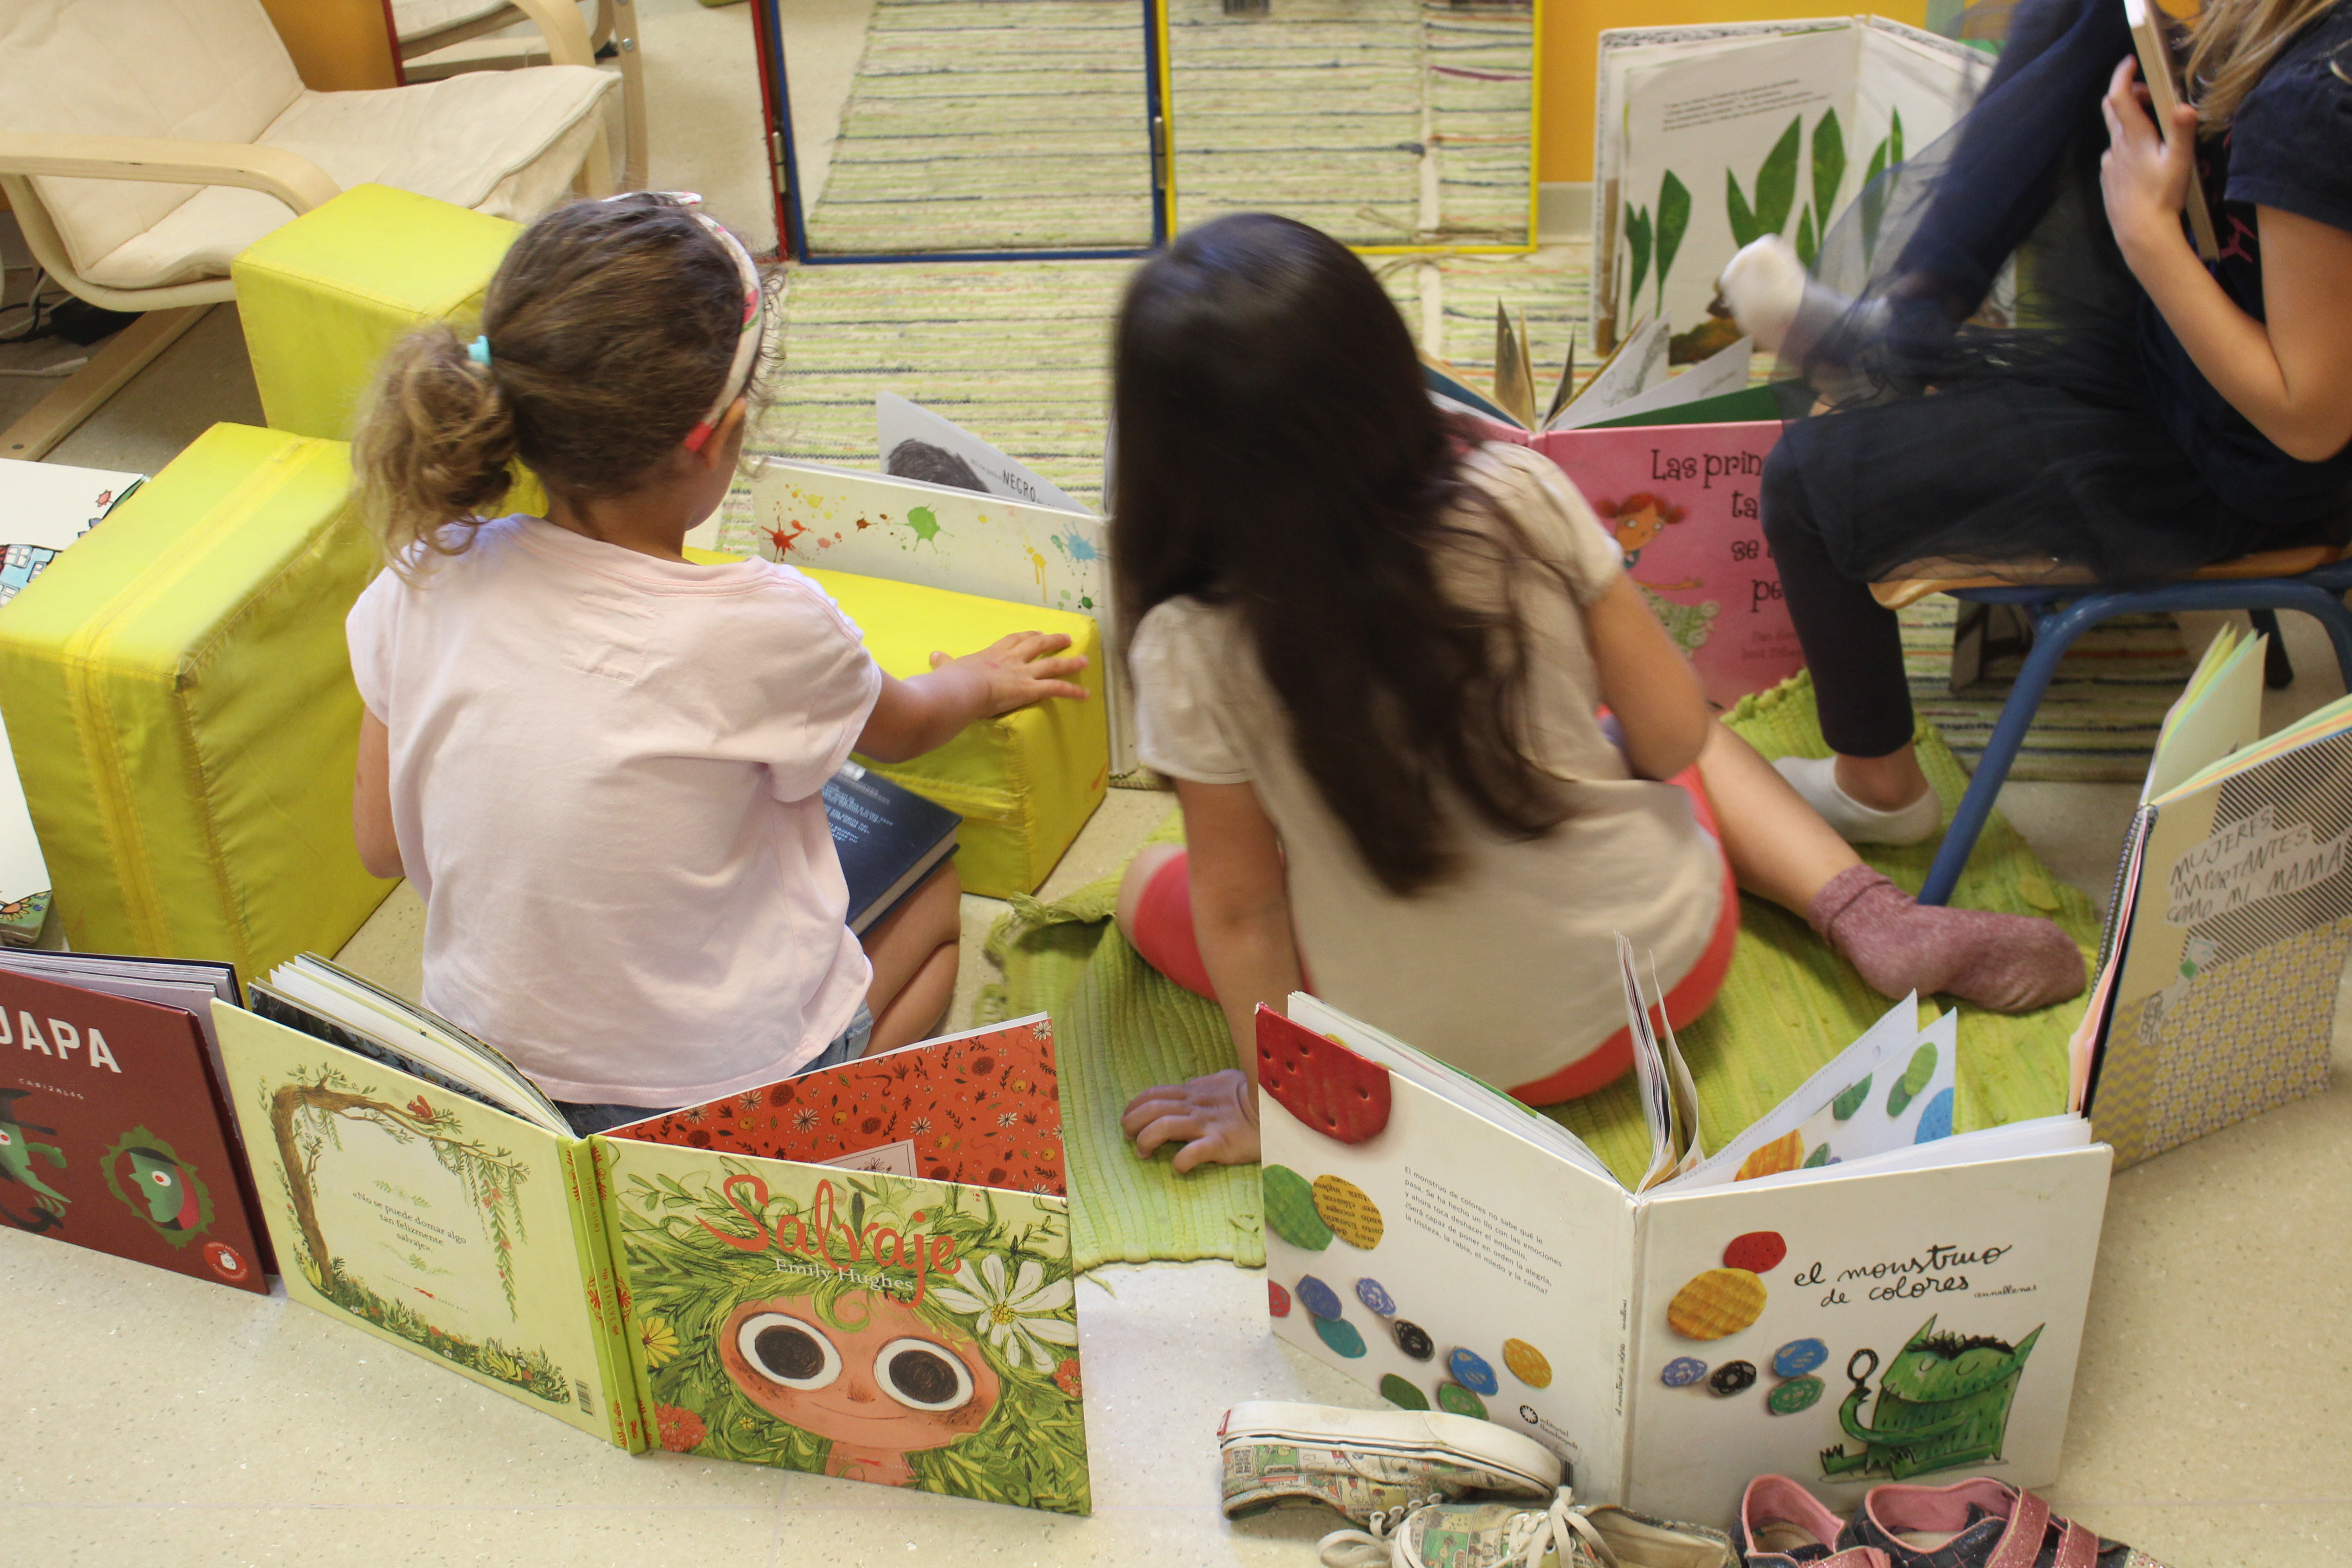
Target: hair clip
x=479, y=351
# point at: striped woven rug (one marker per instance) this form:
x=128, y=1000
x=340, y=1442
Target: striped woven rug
x=2098, y=720
x=1020, y=124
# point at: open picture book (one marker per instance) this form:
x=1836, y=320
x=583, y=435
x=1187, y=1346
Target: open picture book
x=862, y=1271
x=994, y=528
x=2231, y=922
x=1710, y=136
x=1848, y=1292
x=1674, y=466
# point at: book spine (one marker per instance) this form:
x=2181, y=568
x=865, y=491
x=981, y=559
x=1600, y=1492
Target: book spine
x=624, y=1418
x=632, y=1386
x=2142, y=821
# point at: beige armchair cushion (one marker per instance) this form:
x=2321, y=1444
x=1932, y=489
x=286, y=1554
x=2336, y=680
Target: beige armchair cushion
x=503, y=143
x=414, y=19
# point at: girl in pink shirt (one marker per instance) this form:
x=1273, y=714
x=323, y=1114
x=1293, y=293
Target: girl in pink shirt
x=599, y=763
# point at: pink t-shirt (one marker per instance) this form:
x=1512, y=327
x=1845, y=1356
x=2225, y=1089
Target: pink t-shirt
x=605, y=781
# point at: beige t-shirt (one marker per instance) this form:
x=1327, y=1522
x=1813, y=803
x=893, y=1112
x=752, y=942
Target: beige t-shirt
x=1509, y=969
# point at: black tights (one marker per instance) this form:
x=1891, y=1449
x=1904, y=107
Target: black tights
x=1852, y=643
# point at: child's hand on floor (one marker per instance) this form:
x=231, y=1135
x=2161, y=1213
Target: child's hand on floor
x=1215, y=1116
x=1020, y=669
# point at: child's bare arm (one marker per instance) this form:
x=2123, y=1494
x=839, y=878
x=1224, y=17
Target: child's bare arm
x=372, y=801
x=922, y=714
x=1241, y=915
x=1647, y=683
x=2291, y=376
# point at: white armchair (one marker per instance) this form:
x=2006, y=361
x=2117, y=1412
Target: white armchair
x=143, y=143
x=426, y=27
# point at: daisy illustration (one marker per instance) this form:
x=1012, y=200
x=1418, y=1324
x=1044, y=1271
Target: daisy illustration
x=803, y=1119
x=1018, y=1321
x=1008, y=1119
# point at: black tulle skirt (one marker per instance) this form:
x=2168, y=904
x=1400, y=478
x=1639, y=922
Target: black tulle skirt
x=2003, y=396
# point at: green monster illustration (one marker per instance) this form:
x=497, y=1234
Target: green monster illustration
x=1943, y=1403
x=151, y=1178
x=16, y=1151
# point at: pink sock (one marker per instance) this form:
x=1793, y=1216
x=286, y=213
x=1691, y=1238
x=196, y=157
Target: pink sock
x=2006, y=963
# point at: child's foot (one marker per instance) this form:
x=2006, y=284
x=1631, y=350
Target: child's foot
x=2004, y=963
x=1815, y=778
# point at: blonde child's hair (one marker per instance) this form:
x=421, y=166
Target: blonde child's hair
x=2235, y=42
x=610, y=328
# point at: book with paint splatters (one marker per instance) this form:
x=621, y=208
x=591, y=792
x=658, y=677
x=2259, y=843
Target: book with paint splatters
x=2232, y=926
x=863, y=1272
x=1848, y=1292
x=975, y=522
x=113, y=1132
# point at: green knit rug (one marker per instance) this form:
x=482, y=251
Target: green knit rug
x=1787, y=1007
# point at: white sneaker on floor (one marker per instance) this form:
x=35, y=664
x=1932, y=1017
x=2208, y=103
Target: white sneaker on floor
x=1815, y=778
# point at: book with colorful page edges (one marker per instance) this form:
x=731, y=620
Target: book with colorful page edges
x=113, y=1132
x=1848, y=1293
x=697, y=1294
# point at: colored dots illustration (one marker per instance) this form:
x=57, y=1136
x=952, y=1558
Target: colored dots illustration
x=1376, y=1300
x=1402, y=1395
x=1759, y=1251
x=1349, y=1211
x=1277, y=1300
x=1340, y=1335
x=1719, y=1302
x=1318, y=1298
x=1413, y=1338
x=1290, y=1209
x=1682, y=1371
x=1470, y=1369
x=1847, y=1104
x=1796, y=1393
x=1780, y=1154
x=1732, y=1377
x=1798, y=1356
x=1936, y=1121
x=1915, y=1078
x=1453, y=1396
x=1526, y=1363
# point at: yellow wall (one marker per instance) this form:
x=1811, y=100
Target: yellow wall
x=338, y=45
x=1571, y=57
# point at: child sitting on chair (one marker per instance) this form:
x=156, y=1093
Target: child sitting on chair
x=1372, y=654
x=600, y=763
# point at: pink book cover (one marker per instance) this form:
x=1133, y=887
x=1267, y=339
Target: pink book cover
x=1682, y=502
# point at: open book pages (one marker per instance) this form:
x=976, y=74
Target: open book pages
x=1631, y=381
x=2219, y=711
x=316, y=997
x=944, y=452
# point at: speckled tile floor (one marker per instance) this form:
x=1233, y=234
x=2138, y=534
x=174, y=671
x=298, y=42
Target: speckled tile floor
x=152, y=1419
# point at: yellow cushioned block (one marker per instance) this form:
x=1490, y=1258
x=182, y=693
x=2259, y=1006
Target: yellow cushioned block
x=181, y=705
x=322, y=298
x=1024, y=783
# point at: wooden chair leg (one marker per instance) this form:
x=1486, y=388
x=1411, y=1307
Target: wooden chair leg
x=83, y=393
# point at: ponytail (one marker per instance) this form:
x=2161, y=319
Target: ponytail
x=436, y=446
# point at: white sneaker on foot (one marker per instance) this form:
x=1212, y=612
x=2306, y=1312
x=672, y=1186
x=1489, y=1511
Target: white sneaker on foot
x=1815, y=778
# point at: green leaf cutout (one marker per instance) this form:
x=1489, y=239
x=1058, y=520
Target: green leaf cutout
x=1744, y=229
x=1776, y=180
x=1673, y=219
x=1637, y=240
x=1847, y=1104
x=1818, y=1158
x=1873, y=198
x=1808, y=244
x=1894, y=140
x=1829, y=167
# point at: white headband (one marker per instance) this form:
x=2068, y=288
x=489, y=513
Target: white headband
x=747, y=341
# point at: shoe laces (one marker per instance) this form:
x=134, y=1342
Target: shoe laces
x=1526, y=1538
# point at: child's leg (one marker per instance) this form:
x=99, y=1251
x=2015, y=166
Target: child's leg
x=1155, y=915
x=913, y=950
x=1782, y=850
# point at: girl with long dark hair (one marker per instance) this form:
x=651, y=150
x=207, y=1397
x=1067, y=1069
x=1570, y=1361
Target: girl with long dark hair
x=1372, y=654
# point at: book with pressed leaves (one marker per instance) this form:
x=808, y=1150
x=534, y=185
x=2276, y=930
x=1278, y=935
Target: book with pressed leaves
x=888, y=1300
x=1854, y=1288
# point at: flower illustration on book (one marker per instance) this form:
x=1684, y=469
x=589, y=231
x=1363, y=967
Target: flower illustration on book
x=1066, y=1379
x=1017, y=1319
x=658, y=1339
x=681, y=1430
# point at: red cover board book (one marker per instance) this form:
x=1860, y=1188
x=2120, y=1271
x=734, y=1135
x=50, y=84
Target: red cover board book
x=112, y=1134
x=983, y=1106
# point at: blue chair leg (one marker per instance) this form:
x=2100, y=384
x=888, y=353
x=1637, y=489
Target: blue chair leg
x=2326, y=607
x=2053, y=634
x=2278, y=669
